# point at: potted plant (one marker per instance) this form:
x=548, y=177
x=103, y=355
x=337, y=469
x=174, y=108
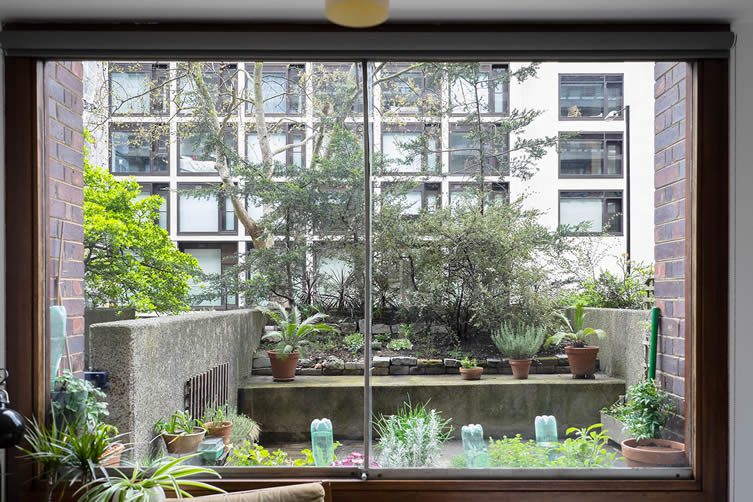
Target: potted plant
x=216, y=422
x=470, y=370
x=290, y=339
x=181, y=433
x=645, y=413
x=519, y=346
x=580, y=356
x=76, y=401
x=148, y=485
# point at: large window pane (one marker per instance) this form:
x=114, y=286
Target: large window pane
x=134, y=151
x=197, y=214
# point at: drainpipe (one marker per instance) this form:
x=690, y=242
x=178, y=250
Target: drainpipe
x=655, y=314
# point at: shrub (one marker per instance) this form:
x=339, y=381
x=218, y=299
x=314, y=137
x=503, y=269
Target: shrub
x=646, y=411
x=522, y=342
x=412, y=437
x=354, y=343
x=609, y=290
x=586, y=449
x=400, y=344
x=77, y=402
x=517, y=452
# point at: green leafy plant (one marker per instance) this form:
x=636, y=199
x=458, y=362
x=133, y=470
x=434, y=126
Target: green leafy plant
x=400, y=344
x=610, y=290
x=293, y=333
x=517, y=452
x=354, y=343
x=180, y=423
x=468, y=363
x=575, y=334
x=412, y=437
x=588, y=448
x=383, y=338
x=646, y=410
x=406, y=331
x=308, y=456
x=248, y=454
x=77, y=401
x=521, y=342
x=244, y=428
x=144, y=485
x=215, y=414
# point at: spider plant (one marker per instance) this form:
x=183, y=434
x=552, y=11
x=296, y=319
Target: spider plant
x=145, y=485
x=179, y=423
x=292, y=334
x=575, y=333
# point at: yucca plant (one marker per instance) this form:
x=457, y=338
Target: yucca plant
x=293, y=333
x=146, y=485
x=521, y=342
x=575, y=333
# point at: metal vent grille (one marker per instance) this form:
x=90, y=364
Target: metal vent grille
x=207, y=390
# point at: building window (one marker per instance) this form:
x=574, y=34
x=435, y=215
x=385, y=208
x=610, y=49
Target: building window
x=160, y=189
x=284, y=159
x=405, y=90
x=591, y=154
x=489, y=89
x=198, y=214
x=196, y=155
x=590, y=96
x=411, y=149
x=213, y=260
x=220, y=80
x=468, y=152
x=467, y=194
x=589, y=213
x=421, y=197
x=281, y=89
x=138, y=150
x=138, y=89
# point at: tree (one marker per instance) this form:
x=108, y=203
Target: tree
x=129, y=261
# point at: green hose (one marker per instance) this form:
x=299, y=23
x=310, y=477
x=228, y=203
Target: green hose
x=655, y=313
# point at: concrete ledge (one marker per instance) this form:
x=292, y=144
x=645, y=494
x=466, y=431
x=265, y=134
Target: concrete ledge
x=502, y=405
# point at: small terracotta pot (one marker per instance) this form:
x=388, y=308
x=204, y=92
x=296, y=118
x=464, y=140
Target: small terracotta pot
x=520, y=368
x=653, y=452
x=582, y=361
x=111, y=456
x=283, y=369
x=220, y=430
x=184, y=443
x=471, y=373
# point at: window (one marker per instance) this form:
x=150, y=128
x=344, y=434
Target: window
x=221, y=82
x=591, y=154
x=585, y=213
x=160, y=189
x=490, y=82
x=468, y=193
x=413, y=200
x=213, y=260
x=278, y=140
x=199, y=214
x=138, y=89
x=195, y=155
x=406, y=90
x=590, y=96
x=138, y=150
x=281, y=89
x=468, y=154
x=411, y=149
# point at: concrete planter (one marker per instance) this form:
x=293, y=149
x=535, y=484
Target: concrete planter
x=184, y=443
x=615, y=428
x=471, y=373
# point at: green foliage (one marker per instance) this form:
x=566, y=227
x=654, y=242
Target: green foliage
x=575, y=333
x=143, y=485
x=249, y=454
x=244, y=427
x=400, y=344
x=215, y=414
x=646, y=411
x=383, y=338
x=521, y=342
x=406, y=331
x=293, y=334
x=354, y=343
x=588, y=448
x=517, y=452
x=609, y=290
x=180, y=422
x=129, y=260
x=77, y=402
x=412, y=437
x=468, y=363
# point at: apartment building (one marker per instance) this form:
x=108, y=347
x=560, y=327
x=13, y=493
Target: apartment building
x=583, y=180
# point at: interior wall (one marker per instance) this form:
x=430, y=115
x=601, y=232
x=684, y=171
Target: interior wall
x=2, y=245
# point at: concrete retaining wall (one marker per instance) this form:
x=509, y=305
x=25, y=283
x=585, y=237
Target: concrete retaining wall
x=98, y=316
x=150, y=360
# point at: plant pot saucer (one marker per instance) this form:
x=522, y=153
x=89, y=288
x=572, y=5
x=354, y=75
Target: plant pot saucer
x=653, y=452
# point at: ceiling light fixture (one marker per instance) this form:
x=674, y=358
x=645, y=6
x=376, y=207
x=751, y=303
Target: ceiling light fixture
x=357, y=13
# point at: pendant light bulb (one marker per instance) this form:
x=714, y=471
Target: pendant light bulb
x=357, y=13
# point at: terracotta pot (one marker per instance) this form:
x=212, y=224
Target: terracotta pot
x=283, y=369
x=582, y=361
x=520, y=368
x=111, y=456
x=220, y=430
x=471, y=373
x=184, y=443
x=653, y=452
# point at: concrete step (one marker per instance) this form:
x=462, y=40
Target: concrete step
x=502, y=405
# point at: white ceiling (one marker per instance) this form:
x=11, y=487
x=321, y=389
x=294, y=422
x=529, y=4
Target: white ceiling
x=401, y=10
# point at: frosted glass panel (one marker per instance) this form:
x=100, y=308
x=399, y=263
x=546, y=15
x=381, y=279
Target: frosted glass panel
x=197, y=215
x=210, y=262
x=577, y=211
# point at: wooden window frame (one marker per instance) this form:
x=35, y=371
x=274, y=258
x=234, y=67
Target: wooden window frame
x=708, y=323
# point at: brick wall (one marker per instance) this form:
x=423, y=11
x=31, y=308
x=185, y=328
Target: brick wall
x=671, y=146
x=64, y=140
